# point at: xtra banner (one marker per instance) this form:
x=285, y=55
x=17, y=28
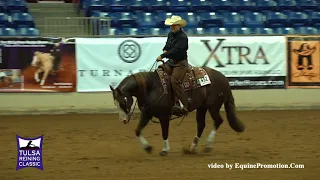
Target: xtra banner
x=303, y=61
x=37, y=65
x=248, y=62
x=107, y=61
x=251, y=62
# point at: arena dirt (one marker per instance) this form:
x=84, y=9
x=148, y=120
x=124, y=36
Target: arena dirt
x=98, y=147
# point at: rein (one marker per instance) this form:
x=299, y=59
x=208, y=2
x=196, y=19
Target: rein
x=145, y=105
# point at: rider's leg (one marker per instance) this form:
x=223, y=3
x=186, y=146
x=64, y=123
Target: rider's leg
x=179, y=71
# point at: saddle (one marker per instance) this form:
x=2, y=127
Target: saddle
x=195, y=77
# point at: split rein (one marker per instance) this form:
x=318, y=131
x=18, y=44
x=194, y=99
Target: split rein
x=145, y=105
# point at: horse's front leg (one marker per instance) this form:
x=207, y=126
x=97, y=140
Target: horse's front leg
x=144, y=120
x=36, y=74
x=44, y=77
x=165, y=134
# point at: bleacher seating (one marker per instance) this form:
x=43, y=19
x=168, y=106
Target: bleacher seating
x=15, y=19
x=141, y=17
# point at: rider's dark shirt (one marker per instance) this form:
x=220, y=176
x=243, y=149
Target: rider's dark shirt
x=56, y=52
x=176, y=46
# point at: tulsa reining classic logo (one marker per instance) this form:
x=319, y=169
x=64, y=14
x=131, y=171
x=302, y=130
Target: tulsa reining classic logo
x=29, y=152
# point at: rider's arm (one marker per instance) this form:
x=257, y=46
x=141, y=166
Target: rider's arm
x=181, y=44
x=165, y=48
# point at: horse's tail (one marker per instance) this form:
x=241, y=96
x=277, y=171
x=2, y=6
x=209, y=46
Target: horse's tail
x=230, y=109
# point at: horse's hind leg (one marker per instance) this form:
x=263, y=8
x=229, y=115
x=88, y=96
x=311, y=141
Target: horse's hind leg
x=44, y=77
x=144, y=119
x=215, y=114
x=36, y=75
x=201, y=123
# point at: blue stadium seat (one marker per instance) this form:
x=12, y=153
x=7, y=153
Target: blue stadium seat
x=306, y=30
x=276, y=19
x=266, y=5
x=17, y=6
x=119, y=5
x=287, y=5
x=94, y=5
x=216, y=31
x=240, y=31
x=222, y=5
x=2, y=7
x=179, y=5
x=153, y=31
x=245, y=5
x=4, y=20
x=231, y=19
x=210, y=19
x=309, y=4
x=124, y=19
x=27, y=32
x=263, y=31
x=297, y=18
x=22, y=20
x=253, y=19
x=147, y=20
x=7, y=32
x=314, y=18
x=284, y=30
x=156, y=5
x=139, y=5
x=200, y=5
x=126, y=31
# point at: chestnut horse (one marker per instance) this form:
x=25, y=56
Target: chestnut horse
x=206, y=89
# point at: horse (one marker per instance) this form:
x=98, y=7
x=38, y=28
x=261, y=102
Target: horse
x=207, y=90
x=44, y=63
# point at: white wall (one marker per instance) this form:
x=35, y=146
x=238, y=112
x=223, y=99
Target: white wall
x=35, y=103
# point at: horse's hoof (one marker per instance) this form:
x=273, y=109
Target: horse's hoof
x=164, y=153
x=207, y=149
x=188, y=151
x=148, y=149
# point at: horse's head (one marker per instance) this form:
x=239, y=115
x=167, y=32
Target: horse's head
x=123, y=101
x=35, y=59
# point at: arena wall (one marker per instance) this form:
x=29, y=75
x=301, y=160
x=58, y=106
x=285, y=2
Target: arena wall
x=57, y=103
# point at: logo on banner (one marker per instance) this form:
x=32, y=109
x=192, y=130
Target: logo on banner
x=240, y=53
x=129, y=51
x=304, y=61
x=29, y=152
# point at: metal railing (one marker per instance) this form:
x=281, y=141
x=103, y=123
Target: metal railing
x=77, y=26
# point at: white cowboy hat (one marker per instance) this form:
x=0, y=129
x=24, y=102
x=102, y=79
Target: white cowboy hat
x=175, y=20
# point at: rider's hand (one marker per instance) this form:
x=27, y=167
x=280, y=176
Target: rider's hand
x=164, y=51
x=159, y=58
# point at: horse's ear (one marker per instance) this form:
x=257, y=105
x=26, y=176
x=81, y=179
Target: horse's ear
x=111, y=88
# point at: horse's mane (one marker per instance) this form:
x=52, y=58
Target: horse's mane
x=145, y=80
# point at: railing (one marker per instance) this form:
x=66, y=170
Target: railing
x=77, y=26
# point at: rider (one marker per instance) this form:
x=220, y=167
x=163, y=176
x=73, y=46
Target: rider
x=55, y=52
x=176, y=50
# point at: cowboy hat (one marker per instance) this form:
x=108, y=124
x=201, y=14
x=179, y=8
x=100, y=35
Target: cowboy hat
x=175, y=20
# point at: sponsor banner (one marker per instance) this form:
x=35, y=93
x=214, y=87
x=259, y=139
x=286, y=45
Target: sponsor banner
x=107, y=61
x=29, y=65
x=257, y=62
x=303, y=60
x=252, y=60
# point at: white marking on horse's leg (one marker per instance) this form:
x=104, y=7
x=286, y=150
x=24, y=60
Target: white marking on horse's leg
x=36, y=76
x=194, y=143
x=44, y=77
x=210, y=138
x=166, y=146
x=143, y=141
